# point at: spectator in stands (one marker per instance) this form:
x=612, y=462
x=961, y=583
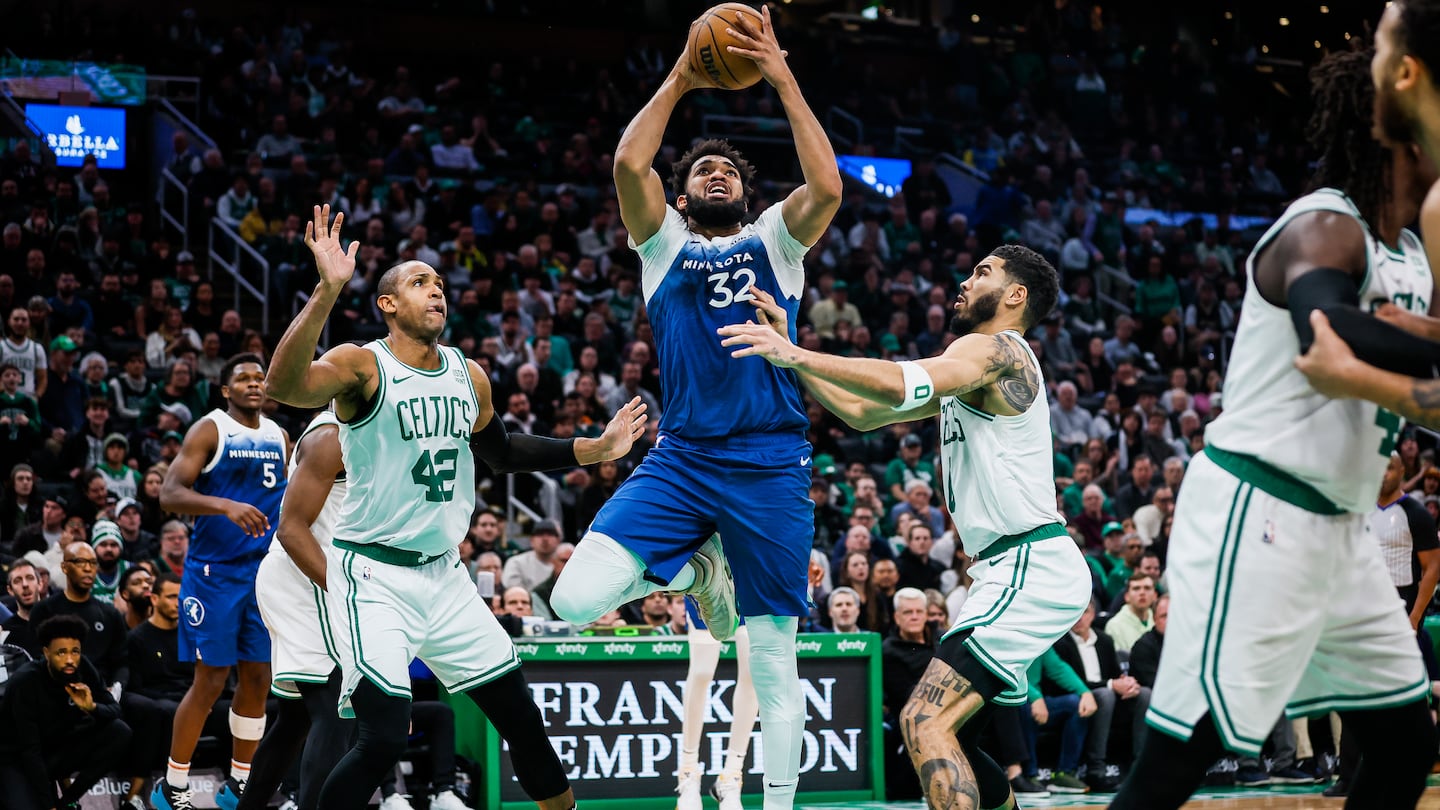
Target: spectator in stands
x=915, y=566
x=61, y=720
x=180, y=388
x=133, y=597
x=1117, y=580
x=105, y=540
x=904, y=656
x=1118, y=697
x=1145, y=654
x=1093, y=521
x=1121, y=347
x=105, y=645
x=1127, y=626
x=20, y=505
x=62, y=405
x=1150, y=517
x=67, y=308
x=629, y=387
x=278, y=143
x=540, y=594
x=917, y=503
x=46, y=533
x=174, y=545
x=1139, y=490
x=1068, y=421
x=20, y=424
x=531, y=568
x=22, y=585
x=842, y=610
x=84, y=449
x=908, y=466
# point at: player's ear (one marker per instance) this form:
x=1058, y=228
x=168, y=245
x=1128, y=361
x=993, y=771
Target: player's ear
x=680, y=203
x=1408, y=73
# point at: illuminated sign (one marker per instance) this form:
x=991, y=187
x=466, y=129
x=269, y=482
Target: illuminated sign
x=882, y=174
x=74, y=132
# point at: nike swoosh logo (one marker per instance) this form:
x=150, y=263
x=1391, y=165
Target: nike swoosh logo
x=231, y=435
x=398, y=380
x=804, y=460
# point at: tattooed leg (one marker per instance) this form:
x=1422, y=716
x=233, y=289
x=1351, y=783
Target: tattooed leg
x=940, y=704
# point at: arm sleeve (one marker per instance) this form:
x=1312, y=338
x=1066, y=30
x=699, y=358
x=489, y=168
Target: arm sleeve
x=1333, y=292
x=1422, y=526
x=521, y=452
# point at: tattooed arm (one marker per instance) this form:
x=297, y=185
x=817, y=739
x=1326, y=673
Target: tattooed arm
x=1334, y=370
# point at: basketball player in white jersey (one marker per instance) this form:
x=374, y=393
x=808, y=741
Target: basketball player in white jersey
x=1279, y=600
x=1031, y=583
x=408, y=409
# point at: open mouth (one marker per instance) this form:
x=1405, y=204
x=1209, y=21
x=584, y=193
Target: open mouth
x=717, y=190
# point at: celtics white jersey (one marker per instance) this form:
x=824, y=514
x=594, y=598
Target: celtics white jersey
x=411, y=474
x=1338, y=446
x=324, y=526
x=999, y=470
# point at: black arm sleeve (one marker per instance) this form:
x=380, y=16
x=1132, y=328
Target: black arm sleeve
x=521, y=452
x=1333, y=292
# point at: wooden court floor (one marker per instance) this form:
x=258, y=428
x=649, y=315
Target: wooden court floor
x=1216, y=799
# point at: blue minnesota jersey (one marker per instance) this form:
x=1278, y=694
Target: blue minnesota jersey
x=248, y=467
x=693, y=286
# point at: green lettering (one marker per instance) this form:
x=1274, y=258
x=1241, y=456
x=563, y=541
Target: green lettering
x=436, y=474
x=1390, y=423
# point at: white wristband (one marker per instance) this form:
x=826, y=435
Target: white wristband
x=919, y=388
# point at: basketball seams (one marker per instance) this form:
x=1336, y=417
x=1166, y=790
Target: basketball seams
x=720, y=55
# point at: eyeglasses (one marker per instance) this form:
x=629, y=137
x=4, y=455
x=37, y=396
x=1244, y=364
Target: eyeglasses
x=78, y=563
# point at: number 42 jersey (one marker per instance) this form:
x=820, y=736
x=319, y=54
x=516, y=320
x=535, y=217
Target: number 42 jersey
x=692, y=287
x=410, y=471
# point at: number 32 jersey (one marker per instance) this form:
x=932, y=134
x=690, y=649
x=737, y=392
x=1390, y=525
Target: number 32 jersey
x=409, y=468
x=1338, y=446
x=692, y=287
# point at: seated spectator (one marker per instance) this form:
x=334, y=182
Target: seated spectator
x=906, y=467
x=540, y=595
x=105, y=540
x=128, y=390
x=181, y=387
x=1068, y=421
x=915, y=567
x=858, y=538
x=532, y=568
x=1139, y=490
x=843, y=610
x=61, y=722
x=904, y=655
x=1117, y=582
x=174, y=545
x=132, y=598
x=1118, y=697
x=45, y=534
x=105, y=644
x=917, y=504
x=22, y=586
x=1094, y=521
x=20, y=424
x=1127, y=626
x=1145, y=654
x=1059, y=699
x=1150, y=517
x=63, y=403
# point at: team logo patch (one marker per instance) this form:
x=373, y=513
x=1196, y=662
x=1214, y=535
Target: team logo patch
x=194, y=611
x=1269, y=535
x=99, y=627
x=365, y=572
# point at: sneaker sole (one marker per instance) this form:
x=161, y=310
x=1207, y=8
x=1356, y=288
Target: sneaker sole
x=1283, y=780
x=717, y=632
x=1069, y=790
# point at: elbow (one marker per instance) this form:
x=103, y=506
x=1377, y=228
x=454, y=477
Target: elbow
x=828, y=191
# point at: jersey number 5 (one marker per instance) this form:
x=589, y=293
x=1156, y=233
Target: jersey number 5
x=435, y=474
x=726, y=283
x=269, y=480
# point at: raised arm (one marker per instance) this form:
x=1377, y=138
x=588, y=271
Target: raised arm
x=177, y=493
x=318, y=462
x=639, y=188
x=295, y=376
x=809, y=208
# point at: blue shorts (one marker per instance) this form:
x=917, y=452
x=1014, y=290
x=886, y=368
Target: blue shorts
x=753, y=490
x=220, y=622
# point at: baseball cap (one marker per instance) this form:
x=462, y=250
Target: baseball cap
x=170, y=434
x=116, y=438
x=127, y=503
x=447, y=247
x=1110, y=527
x=889, y=342
x=911, y=440
x=185, y=257
x=36, y=559
x=546, y=527
x=840, y=285
x=179, y=410
x=64, y=344
x=105, y=530
x=825, y=464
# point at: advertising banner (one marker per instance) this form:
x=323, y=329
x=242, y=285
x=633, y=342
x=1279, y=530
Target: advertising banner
x=46, y=79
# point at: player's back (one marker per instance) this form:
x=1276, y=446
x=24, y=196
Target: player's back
x=692, y=287
x=248, y=467
x=999, y=470
x=410, y=473
x=1339, y=447
x=323, y=526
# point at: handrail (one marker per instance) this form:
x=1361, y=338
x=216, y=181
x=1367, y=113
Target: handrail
x=549, y=497
x=961, y=166
x=779, y=125
x=47, y=155
x=301, y=299
x=190, y=126
x=181, y=223
x=232, y=264
x=158, y=88
x=857, y=126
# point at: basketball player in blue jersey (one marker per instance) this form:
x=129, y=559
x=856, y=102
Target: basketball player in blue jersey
x=413, y=415
x=731, y=455
x=230, y=474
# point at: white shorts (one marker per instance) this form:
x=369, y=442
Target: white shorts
x=388, y=615
x=295, y=612
x=1023, y=600
x=1273, y=608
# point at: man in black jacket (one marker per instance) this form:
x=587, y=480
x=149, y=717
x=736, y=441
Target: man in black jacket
x=58, y=718
x=1118, y=696
x=917, y=569
x=904, y=655
x=1145, y=655
x=105, y=645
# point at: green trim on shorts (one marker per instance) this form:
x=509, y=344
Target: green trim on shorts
x=1273, y=481
x=1009, y=541
x=1219, y=615
x=487, y=676
x=327, y=633
x=1166, y=729
x=292, y=694
x=1017, y=582
x=353, y=609
x=1169, y=724
x=1003, y=700
x=1380, y=700
x=988, y=661
x=284, y=694
x=388, y=554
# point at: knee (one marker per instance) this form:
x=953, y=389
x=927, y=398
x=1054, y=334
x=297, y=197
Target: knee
x=1104, y=699
x=210, y=681
x=569, y=604
x=117, y=735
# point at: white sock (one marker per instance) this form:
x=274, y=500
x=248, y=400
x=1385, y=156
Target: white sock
x=782, y=705
x=240, y=771
x=177, y=774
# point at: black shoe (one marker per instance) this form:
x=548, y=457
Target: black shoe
x=1339, y=790
x=1101, y=783
x=1023, y=785
x=1252, y=777
x=1292, y=776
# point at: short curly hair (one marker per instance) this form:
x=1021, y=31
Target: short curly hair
x=1042, y=283
x=680, y=170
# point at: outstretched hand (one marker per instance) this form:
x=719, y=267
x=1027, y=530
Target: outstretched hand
x=627, y=425
x=760, y=340
x=768, y=311
x=333, y=261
